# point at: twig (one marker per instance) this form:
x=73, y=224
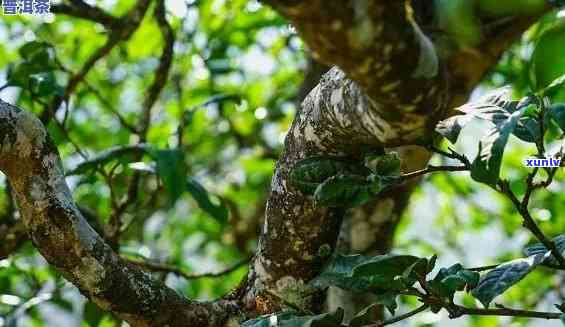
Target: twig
x=483, y=268
x=80, y=9
x=431, y=169
x=407, y=315
x=461, y=311
x=530, y=223
x=160, y=267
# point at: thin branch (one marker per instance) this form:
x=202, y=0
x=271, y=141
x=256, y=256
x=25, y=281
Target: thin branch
x=169, y=269
x=159, y=82
x=407, y=315
x=162, y=73
x=432, y=169
x=82, y=10
x=530, y=223
x=483, y=268
x=507, y=312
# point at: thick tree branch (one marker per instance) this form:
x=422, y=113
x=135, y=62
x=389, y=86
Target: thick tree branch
x=57, y=228
x=81, y=9
x=373, y=43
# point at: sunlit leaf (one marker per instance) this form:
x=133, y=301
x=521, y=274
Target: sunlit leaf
x=500, y=279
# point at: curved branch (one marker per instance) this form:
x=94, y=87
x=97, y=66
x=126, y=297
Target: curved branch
x=57, y=228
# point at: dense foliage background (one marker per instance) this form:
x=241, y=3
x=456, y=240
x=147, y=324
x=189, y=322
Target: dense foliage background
x=221, y=117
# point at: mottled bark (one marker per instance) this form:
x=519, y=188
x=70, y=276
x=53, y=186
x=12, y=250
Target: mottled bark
x=373, y=101
x=57, y=228
x=376, y=46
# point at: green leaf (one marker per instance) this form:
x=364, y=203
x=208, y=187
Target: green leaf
x=387, y=272
x=557, y=113
x=308, y=174
x=528, y=130
x=33, y=49
x=548, y=60
x=92, y=315
x=172, y=170
x=384, y=165
x=539, y=248
x=453, y=279
x=562, y=318
x=44, y=84
x=486, y=166
x=343, y=191
x=451, y=127
x=500, y=279
x=204, y=199
x=492, y=107
x=339, y=272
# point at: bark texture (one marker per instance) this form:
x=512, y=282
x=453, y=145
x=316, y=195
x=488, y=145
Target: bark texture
x=57, y=228
x=372, y=100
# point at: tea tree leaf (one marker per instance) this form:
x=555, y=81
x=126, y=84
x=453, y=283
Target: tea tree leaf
x=308, y=174
x=500, y=279
x=486, y=166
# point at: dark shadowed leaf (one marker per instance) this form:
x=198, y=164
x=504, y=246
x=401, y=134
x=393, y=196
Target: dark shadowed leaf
x=500, y=279
x=452, y=126
x=92, y=314
x=307, y=174
x=386, y=272
x=204, y=199
x=172, y=170
x=384, y=165
x=557, y=113
x=44, y=84
x=453, y=279
x=528, y=130
x=343, y=191
x=339, y=272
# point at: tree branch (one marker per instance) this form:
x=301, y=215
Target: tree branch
x=57, y=228
x=160, y=267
